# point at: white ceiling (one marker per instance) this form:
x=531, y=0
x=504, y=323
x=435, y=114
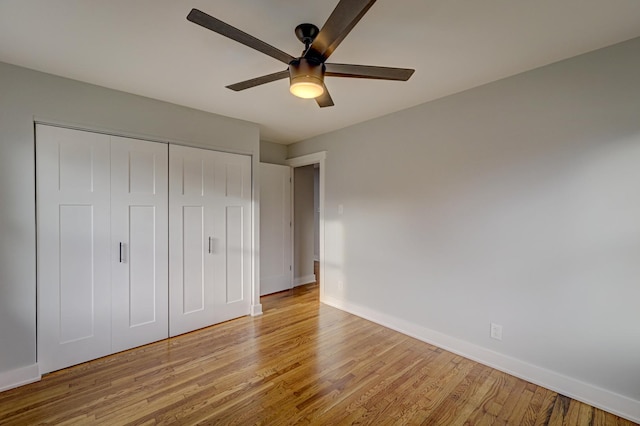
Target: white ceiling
x=147, y=47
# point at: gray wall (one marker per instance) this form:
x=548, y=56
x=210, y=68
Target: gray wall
x=517, y=202
x=303, y=235
x=25, y=95
x=273, y=153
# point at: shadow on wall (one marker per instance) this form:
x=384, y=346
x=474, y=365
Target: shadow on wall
x=17, y=322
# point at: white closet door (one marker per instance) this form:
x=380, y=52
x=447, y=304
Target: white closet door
x=209, y=237
x=231, y=237
x=73, y=247
x=139, y=242
x=275, y=229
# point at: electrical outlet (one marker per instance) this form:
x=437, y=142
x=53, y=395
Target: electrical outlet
x=496, y=331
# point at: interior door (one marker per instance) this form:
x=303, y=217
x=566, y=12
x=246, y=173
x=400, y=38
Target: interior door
x=73, y=246
x=139, y=242
x=275, y=229
x=209, y=237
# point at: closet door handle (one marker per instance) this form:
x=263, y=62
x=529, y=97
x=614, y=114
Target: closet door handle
x=120, y=252
x=210, y=241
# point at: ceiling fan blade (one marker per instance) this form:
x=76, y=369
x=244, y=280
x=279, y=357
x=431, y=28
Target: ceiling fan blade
x=247, y=84
x=325, y=100
x=367, y=71
x=198, y=17
x=341, y=21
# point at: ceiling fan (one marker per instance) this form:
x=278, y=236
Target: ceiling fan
x=306, y=73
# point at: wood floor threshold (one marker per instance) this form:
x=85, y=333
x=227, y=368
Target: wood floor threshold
x=300, y=362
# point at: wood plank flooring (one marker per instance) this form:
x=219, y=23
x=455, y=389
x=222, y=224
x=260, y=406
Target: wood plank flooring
x=299, y=363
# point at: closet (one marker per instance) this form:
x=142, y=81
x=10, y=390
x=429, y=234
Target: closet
x=106, y=217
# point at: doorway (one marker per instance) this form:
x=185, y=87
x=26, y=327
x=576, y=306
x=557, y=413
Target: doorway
x=305, y=224
x=308, y=247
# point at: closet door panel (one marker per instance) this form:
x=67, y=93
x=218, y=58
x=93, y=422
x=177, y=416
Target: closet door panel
x=210, y=237
x=189, y=289
x=193, y=277
x=76, y=273
x=142, y=257
x=72, y=196
x=232, y=257
x=139, y=243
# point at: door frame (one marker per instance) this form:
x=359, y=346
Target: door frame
x=305, y=160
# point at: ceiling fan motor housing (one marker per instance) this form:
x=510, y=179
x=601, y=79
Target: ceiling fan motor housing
x=306, y=74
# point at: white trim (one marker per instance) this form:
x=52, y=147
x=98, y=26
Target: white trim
x=256, y=310
x=617, y=404
x=307, y=279
x=134, y=135
x=256, y=306
x=292, y=224
x=18, y=377
x=305, y=160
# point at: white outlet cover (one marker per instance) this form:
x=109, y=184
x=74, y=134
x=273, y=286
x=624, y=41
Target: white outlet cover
x=496, y=331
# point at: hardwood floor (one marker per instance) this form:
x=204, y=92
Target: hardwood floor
x=299, y=363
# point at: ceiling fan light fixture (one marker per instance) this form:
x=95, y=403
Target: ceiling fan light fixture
x=306, y=89
x=306, y=79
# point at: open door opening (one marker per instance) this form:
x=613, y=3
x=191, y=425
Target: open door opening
x=306, y=224
x=308, y=219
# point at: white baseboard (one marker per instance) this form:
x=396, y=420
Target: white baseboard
x=619, y=405
x=18, y=377
x=307, y=279
x=256, y=310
